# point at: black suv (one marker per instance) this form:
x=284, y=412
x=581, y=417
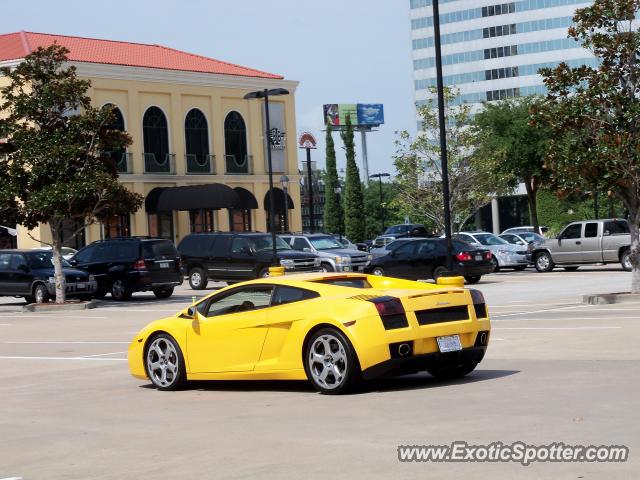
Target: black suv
x=404, y=230
x=238, y=257
x=123, y=266
x=29, y=274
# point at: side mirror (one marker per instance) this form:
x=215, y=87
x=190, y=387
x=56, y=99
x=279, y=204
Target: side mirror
x=73, y=262
x=306, y=249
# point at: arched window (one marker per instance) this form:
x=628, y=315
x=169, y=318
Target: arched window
x=235, y=144
x=156, y=142
x=119, y=157
x=196, y=134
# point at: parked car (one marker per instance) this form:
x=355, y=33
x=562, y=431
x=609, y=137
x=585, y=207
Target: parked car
x=238, y=256
x=381, y=251
x=67, y=252
x=126, y=265
x=587, y=242
x=504, y=254
x=334, y=257
x=400, y=231
x=29, y=274
x=542, y=230
x=346, y=243
x=422, y=258
x=530, y=240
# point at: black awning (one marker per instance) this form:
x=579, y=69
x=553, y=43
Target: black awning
x=278, y=198
x=246, y=200
x=151, y=202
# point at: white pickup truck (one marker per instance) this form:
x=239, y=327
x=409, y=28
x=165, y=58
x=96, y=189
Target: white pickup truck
x=583, y=243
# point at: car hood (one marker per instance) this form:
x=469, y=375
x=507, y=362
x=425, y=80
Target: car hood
x=344, y=252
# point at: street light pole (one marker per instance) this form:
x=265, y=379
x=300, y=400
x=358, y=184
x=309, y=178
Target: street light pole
x=284, y=180
x=272, y=204
x=337, y=191
x=379, y=177
x=443, y=135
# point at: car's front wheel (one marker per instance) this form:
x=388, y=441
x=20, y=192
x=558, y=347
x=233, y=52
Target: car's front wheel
x=197, y=279
x=40, y=294
x=472, y=280
x=164, y=363
x=448, y=373
x=120, y=290
x=163, y=292
x=330, y=362
x=544, y=262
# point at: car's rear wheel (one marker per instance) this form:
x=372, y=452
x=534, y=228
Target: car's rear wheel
x=120, y=290
x=330, y=362
x=40, y=294
x=378, y=271
x=625, y=260
x=496, y=265
x=447, y=373
x=163, y=292
x=472, y=280
x=570, y=269
x=264, y=273
x=164, y=363
x=198, y=278
x=439, y=271
x=544, y=262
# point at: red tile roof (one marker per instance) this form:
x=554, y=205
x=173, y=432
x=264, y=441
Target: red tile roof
x=17, y=45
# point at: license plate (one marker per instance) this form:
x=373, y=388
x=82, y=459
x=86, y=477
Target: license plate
x=450, y=343
x=164, y=264
x=478, y=258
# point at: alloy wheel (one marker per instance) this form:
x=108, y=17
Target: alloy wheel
x=162, y=362
x=543, y=262
x=196, y=279
x=378, y=272
x=328, y=361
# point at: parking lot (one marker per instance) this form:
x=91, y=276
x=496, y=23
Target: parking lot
x=556, y=371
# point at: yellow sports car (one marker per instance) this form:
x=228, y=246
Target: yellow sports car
x=332, y=329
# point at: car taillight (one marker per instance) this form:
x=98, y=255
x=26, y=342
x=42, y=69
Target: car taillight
x=479, y=304
x=463, y=256
x=139, y=265
x=391, y=312
x=488, y=255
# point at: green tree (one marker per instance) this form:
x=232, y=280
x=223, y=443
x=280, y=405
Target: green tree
x=59, y=166
x=354, y=218
x=419, y=180
x=373, y=207
x=333, y=218
x=594, y=113
x=514, y=148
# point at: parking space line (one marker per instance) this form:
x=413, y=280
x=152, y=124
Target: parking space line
x=65, y=343
x=15, y=357
x=102, y=354
x=541, y=311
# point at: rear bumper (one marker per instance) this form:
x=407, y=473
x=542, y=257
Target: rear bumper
x=142, y=281
x=512, y=259
x=419, y=363
x=474, y=270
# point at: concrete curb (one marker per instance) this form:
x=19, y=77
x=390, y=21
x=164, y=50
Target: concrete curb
x=52, y=307
x=609, y=298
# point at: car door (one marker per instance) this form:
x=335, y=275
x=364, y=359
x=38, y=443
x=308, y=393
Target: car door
x=242, y=261
x=230, y=332
x=20, y=276
x=616, y=234
x=400, y=261
x=425, y=259
x=591, y=247
x=567, y=248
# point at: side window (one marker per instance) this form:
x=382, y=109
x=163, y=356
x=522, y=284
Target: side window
x=240, y=245
x=84, y=256
x=283, y=295
x=591, y=230
x=5, y=258
x=427, y=249
x=123, y=250
x=101, y=253
x=616, y=227
x=243, y=300
x=17, y=261
x=300, y=244
x=572, y=231
x=406, y=250
x=509, y=238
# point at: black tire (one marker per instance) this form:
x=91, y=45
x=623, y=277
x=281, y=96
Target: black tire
x=496, y=265
x=326, y=267
x=472, y=280
x=163, y=292
x=264, y=273
x=449, y=373
x=625, y=260
x=179, y=379
x=347, y=359
x=198, y=278
x=571, y=269
x=439, y=271
x=378, y=272
x=543, y=262
x=519, y=268
x=40, y=294
x=120, y=291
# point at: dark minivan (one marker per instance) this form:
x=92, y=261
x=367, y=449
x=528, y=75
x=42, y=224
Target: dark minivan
x=126, y=265
x=238, y=257
x=422, y=258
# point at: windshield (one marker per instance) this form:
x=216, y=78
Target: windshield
x=263, y=243
x=324, y=243
x=531, y=237
x=43, y=260
x=489, y=239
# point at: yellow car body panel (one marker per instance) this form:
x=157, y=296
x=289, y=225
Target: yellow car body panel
x=268, y=343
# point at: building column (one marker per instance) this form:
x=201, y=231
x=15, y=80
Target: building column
x=495, y=215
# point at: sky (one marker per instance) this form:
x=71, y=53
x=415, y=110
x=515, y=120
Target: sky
x=341, y=51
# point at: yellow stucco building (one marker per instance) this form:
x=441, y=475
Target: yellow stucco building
x=191, y=128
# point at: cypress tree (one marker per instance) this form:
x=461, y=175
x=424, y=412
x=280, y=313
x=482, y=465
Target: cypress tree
x=332, y=208
x=354, y=217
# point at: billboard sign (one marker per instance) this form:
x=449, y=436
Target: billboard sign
x=365, y=114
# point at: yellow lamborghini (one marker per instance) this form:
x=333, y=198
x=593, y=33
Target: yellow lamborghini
x=330, y=329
